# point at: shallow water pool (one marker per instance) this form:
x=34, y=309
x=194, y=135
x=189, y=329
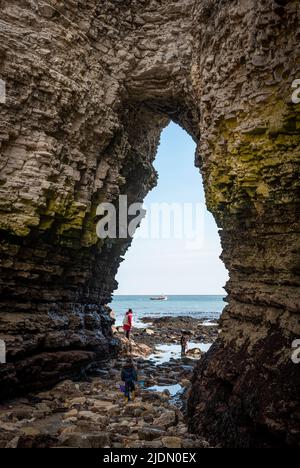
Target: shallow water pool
x=172, y=389
x=163, y=353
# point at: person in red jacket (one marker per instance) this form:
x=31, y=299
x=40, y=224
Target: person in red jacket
x=128, y=323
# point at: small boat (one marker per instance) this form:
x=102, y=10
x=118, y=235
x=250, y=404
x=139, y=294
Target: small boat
x=159, y=298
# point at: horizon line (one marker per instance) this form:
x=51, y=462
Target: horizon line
x=184, y=294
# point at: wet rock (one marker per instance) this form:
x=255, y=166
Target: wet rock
x=39, y=441
x=194, y=352
x=71, y=414
x=88, y=415
x=103, y=373
x=167, y=419
x=22, y=413
x=103, y=405
x=30, y=431
x=77, y=402
x=153, y=444
x=166, y=381
x=171, y=442
x=87, y=410
x=46, y=11
x=150, y=433
x=185, y=383
x=94, y=440
x=13, y=444
x=195, y=443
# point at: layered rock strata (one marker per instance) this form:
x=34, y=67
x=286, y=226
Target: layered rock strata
x=89, y=86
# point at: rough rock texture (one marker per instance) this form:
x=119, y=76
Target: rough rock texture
x=95, y=414
x=90, y=85
x=74, y=133
x=245, y=391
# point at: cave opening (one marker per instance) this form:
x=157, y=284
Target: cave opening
x=176, y=251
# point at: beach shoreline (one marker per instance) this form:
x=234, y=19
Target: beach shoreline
x=92, y=412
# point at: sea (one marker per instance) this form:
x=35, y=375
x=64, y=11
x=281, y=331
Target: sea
x=202, y=307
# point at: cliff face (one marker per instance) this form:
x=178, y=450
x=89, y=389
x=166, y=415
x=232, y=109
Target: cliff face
x=245, y=391
x=81, y=123
x=90, y=85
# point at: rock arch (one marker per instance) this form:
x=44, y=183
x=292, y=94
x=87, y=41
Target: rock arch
x=89, y=87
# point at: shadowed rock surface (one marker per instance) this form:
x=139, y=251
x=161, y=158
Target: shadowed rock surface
x=90, y=86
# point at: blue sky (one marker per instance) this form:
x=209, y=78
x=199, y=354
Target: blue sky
x=172, y=266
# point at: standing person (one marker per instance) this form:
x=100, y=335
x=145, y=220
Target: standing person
x=128, y=323
x=129, y=376
x=184, y=343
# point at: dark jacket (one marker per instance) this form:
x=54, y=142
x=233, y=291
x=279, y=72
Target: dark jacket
x=129, y=374
x=184, y=340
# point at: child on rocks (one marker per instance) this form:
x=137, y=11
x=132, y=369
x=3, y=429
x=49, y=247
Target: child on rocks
x=129, y=376
x=184, y=343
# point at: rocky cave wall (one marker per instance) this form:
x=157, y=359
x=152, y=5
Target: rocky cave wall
x=245, y=391
x=76, y=130
x=90, y=85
